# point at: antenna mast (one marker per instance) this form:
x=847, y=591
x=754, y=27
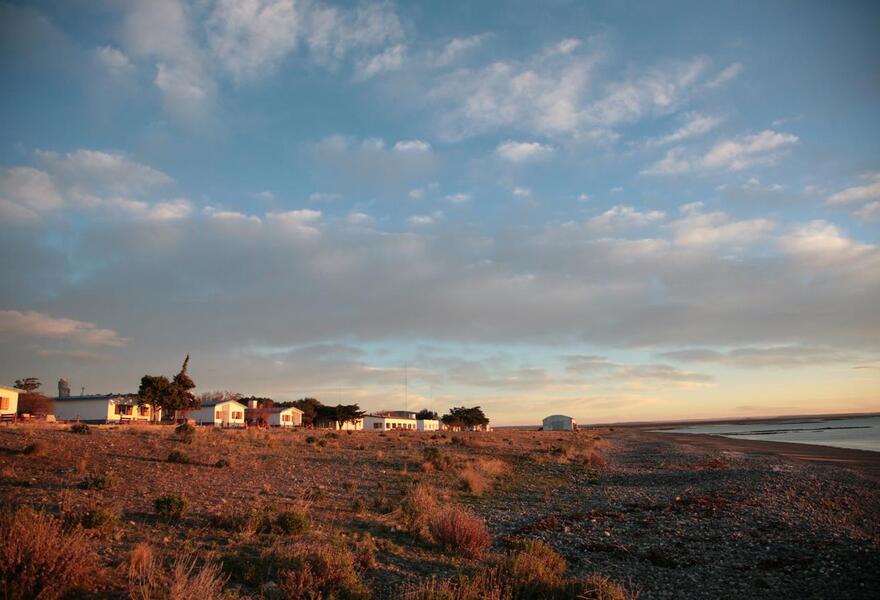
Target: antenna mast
x=406, y=387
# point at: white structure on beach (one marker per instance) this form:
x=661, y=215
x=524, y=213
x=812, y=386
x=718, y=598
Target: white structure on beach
x=559, y=423
x=103, y=408
x=222, y=413
x=8, y=403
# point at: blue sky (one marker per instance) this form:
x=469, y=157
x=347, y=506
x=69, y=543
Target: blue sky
x=609, y=209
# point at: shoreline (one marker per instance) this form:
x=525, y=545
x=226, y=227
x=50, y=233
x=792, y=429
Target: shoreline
x=865, y=461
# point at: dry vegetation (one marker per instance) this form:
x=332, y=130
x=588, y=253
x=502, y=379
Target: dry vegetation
x=149, y=512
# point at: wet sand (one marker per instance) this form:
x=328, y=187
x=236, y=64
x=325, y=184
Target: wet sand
x=864, y=461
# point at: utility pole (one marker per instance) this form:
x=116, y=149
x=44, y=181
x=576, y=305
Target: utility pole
x=406, y=387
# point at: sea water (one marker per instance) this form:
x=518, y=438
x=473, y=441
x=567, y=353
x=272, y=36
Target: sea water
x=860, y=433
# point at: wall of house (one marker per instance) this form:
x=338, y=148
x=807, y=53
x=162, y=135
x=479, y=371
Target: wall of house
x=558, y=424
x=388, y=423
x=428, y=424
x=95, y=411
x=277, y=419
x=231, y=414
x=8, y=401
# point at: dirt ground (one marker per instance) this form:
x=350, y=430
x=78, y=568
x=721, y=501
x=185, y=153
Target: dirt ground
x=666, y=518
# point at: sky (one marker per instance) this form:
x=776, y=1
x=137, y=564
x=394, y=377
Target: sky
x=615, y=210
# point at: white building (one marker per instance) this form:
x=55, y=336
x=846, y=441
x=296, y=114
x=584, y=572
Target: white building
x=274, y=416
x=559, y=423
x=103, y=408
x=398, y=419
x=8, y=403
x=223, y=413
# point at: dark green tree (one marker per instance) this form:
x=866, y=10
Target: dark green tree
x=155, y=391
x=171, y=396
x=309, y=406
x=426, y=414
x=28, y=384
x=463, y=416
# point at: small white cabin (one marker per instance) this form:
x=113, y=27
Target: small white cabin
x=427, y=424
x=387, y=422
x=8, y=402
x=224, y=413
x=275, y=416
x=103, y=408
x=559, y=423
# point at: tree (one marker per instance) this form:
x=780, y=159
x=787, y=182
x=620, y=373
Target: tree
x=309, y=406
x=261, y=402
x=28, y=384
x=426, y=415
x=170, y=396
x=465, y=417
x=339, y=414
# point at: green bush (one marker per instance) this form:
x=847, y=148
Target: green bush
x=185, y=433
x=99, y=518
x=293, y=522
x=97, y=482
x=171, y=507
x=311, y=439
x=176, y=456
x=222, y=463
x=80, y=428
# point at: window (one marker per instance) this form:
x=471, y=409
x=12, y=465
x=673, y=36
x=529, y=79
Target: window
x=285, y=418
x=236, y=415
x=4, y=403
x=144, y=410
x=219, y=416
x=377, y=425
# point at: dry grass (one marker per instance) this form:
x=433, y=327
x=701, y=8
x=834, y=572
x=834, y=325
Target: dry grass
x=459, y=531
x=39, y=559
x=320, y=571
x=473, y=481
x=186, y=580
x=599, y=587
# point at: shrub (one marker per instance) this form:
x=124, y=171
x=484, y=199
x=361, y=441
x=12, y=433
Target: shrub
x=535, y=570
x=293, y=522
x=146, y=579
x=40, y=559
x=80, y=428
x=417, y=506
x=176, y=456
x=473, y=482
x=222, y=463
x=435, y=457
x=458, y=530
x=358, y=505
x=37, y=448
x=97, y=482
x=599, y=587
x=325, y=571
x=322, y=443
x=185, y=433
x=311, y=439
x=99, y=518
x=171, y=507
x=594, y=459
x=332, y=436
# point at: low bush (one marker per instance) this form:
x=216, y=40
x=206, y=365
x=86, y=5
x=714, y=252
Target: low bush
x=594, y=459
x=99, y=518
x=417, y=507
x=37, y=448
x=435, y=457
x=459, y=531
x=41, y=559
x=97, y=482
x=473, y=481
x=80, y=428
x=185, y=433
x=310, y=439
x=171, y=507
x=222, y=463
x=185, y=581
x=176, y=456
x=599, y=587
x=293, y=522
x=325, y=571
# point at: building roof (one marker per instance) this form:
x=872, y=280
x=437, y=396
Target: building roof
x=276, y=409
x=11, y=389
x=96, y=397
x=212, y=403
x=558, y=417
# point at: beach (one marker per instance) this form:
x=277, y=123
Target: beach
x=662, y=515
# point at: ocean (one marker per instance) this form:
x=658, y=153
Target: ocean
x=859, y=433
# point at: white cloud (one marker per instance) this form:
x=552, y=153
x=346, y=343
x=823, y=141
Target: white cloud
x=764, y=148
x=788, y=356
x=113, y=60
x=334, y=33
x=324, y=197
x=822, y=244
x=390, y=59
x=229, y=216
x=695, y=125
x=728, y=74
x=297, y=224
x=25, y=191
x=455, y=48
x=696, y=228
x=625, y=217
x=459, y=198
x=250, y=37
x=425, y=220
x=359, y=219
x=869, y=191
x=583, y=197
x=522, y=152
x=412, y=146
x=41, y=325
x=105, y=170
x=869, y=212
x=521, y=192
